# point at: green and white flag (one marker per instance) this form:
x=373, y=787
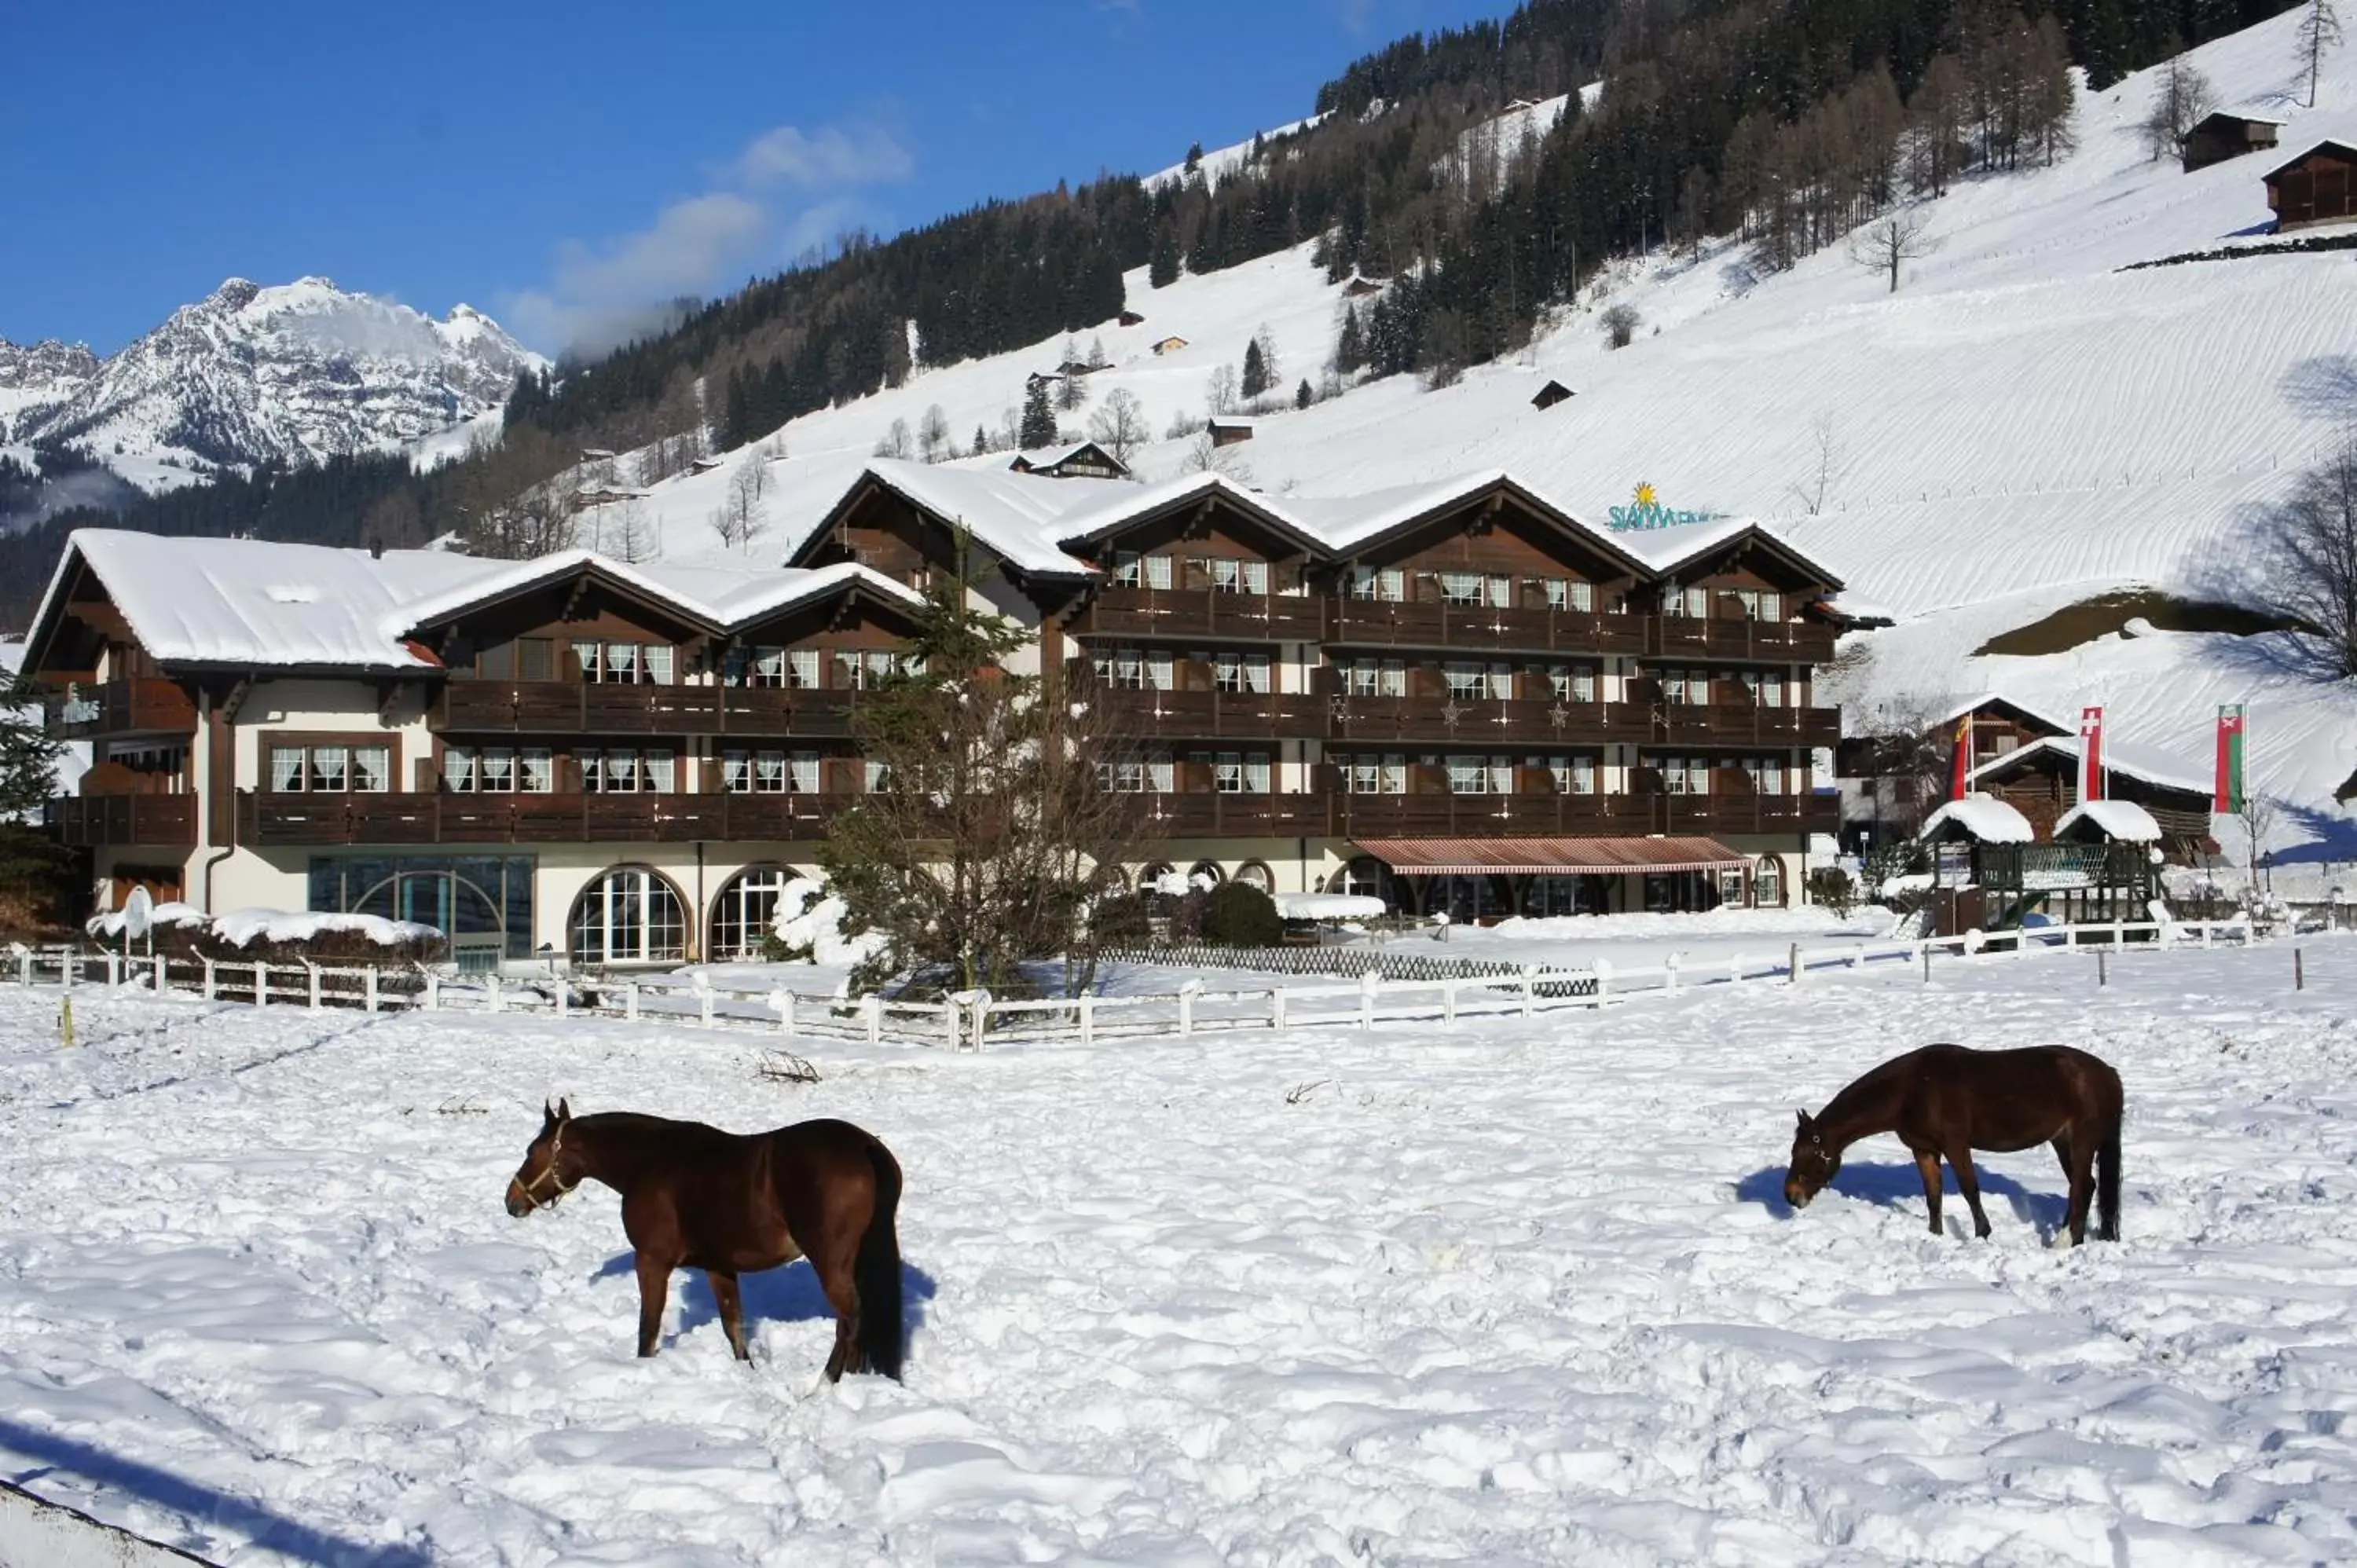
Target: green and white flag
x=2228, y=795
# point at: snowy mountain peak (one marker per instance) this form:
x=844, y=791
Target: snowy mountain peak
x=278, y=373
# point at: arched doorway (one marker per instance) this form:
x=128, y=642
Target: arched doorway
x=742, y=912
x=630, y=915
x=462, y=908
x=1366, y=877
x=1768, y=883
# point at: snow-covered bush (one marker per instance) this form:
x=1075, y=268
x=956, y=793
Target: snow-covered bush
x=807, y=928
x=276, y=937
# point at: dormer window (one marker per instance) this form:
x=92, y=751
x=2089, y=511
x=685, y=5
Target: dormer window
x=1383, y=584
x=1569, y=593
x=625, y=663
x=1132, y=570
x=1236, y=576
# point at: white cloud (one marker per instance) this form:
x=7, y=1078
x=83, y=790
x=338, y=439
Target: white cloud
x=827, y=160
x=598, y=296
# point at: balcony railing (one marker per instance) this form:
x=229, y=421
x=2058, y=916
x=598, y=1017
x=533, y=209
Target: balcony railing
x=1744, y=724
x=423, y=818
x=1382, y=623
x=121, y=707
x=1483, y=722
x=1491, y=816
x=1199, y=612
x=1210, y=814
x=1772, y=641
x=96, y=820
x=1211, y=715
x=583, y=707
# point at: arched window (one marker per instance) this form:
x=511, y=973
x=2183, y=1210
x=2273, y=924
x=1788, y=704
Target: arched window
x=1257, y=874
x=629, y=915
x=1150, y=880
x=1768, y=883
x=1365, y=876
x=1206, y=874
x=741, y=915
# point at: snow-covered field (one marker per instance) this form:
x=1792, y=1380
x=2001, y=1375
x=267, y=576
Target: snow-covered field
x=1521, y=1293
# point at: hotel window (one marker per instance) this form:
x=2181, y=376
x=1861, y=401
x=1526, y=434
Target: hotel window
x=1162, y=774
x=1239, y=672
x=1467, y=683
x=1761, y=603
x=861, y=669
x=1375, y=677
x=625, y=663
x=1133, y=669
x=1480, y=775
x=1685, y=775
x=1767, y=774
x=1685, y=686
x=1122, y=778
x=1570, y=593
x=498, y=769
x=331, y=769
x=1694, y=604
x=1571, y=683
x=1470, y=589
x=1131, y=570
x=1239, y=772
x=801, y=773
x=1766, y=688
x=1572, y=774
x=1372, y=773
x=624, y=771
x=768, y=668
x=1387, y=584
x=1237, y=577
x=875, y=776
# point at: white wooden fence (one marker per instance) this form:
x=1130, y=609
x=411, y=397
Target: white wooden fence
x=967, y=1020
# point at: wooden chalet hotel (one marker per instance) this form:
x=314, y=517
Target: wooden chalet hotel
x=1458, y=697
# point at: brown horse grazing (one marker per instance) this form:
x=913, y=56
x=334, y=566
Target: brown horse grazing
x=1946, y=1100
x=695, y=1197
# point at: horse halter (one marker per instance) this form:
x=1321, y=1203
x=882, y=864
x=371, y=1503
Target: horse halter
x=530, y=1190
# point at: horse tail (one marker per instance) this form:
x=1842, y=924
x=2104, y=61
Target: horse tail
x=2107, y=1184
x=877, y=1270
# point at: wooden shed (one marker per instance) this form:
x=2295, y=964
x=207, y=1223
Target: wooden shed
x=2217, y=137
x=1227, y=432
x=2318, y=187
x=1169, y=345
x=1551, y=395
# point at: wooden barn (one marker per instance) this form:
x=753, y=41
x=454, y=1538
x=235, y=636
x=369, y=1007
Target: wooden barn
x=1551, y=395
x=2318, y=187
x=1170, y=345
x=2042, y=780
x=2217, y=137
x=1227, y=432
x=1086, y=461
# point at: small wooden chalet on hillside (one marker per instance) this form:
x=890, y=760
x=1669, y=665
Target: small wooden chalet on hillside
x=2318, y=187
x=1086, y=461
x=2217, y=137
x=1551, y=395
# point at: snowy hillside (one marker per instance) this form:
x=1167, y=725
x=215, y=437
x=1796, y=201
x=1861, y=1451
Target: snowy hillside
x=2021, y=426
x=251, y=375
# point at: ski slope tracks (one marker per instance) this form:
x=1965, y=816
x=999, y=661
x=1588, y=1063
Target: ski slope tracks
x=1520, y=1291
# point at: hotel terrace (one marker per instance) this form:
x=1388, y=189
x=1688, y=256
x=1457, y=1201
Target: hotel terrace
x=1458, y=697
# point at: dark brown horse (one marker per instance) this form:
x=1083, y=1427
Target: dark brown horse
x=696, y=1198
x=1944, y=1101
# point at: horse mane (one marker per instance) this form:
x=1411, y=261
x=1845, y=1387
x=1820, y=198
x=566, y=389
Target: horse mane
x=1869, y=1097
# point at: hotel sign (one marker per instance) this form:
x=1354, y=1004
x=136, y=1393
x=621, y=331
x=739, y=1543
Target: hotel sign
x=1646, y=510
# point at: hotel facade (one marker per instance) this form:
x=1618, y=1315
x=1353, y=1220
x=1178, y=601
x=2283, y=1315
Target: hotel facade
x=1458, y=696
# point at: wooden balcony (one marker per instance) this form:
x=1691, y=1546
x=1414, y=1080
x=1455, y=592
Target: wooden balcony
x=94, y=820
x=1198, y=612
x=420, y=818
x=1485, y=723
x=1744, y=813
x=1491, y=816
x=147, y=704
x=1377, y=623
x=1208, y=814
x=581, y=707
x=1743, y=724
x=1771, y=642
x=1211, y=715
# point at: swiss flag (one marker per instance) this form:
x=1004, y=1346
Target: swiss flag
x=2090, y=755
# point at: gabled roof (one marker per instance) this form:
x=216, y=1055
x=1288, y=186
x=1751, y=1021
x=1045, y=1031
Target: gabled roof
x=1351, y=525
x=1986, y=698
x=2235, y=115
x=251, y=603
x=2343, y=148
x=1666, y=550
x=1056, y=456
x=2164, y=769
x=2124, y=821
x=1982, y=817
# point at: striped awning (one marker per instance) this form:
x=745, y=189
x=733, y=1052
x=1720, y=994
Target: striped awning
x=1568, y=857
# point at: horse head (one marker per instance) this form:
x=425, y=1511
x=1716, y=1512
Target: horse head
x=550, y=1170
x=1814, y=1163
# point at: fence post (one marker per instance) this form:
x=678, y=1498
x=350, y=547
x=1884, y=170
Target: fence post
x=560, y=995
x=1276, y=1007
x=491, y=983
x=433, y=991
x=631, y=1000
x=260, y=985
x=2209, y=933
x=781, y=1002
x=2103, y=967
x=1187, y=1006
x=1670, y=974
x=1448, y=1000
x=25, y=966
x=2298, y=972
x=370, y=990
x=1603, y=979
x=211, y=985
x=163, y=974
x=1089, y=1016
x=1368, y=982
x=872, y=1006
x=113, y=969
x=703, y=1001
x=1927, y=963
x=1856, y=954
x=1530, y=987
x=1793, y=964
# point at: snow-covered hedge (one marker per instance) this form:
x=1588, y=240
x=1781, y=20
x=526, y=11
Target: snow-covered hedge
x=807, y=928
x=274, y=936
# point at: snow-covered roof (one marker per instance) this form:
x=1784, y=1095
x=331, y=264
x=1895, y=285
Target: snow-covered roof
x=2148, y=764
x=2123, y=821
x=1330, y=907
x=1960, y=709
x=251, y=602
x=1984, y=817
x=1666, y=550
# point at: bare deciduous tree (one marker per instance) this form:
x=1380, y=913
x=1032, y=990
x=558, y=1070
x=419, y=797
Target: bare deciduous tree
x=1897, y=237
x=744, y=515
x=532, y=524
x=1206, y=455
x=2181, y=97
x=894, y=442
x=1620, y=323
x=2319, y=30
x=2311, y=555
x=632, y=536
x=1120, y=426
x=933, y=434
x=1828, y=461
x=1219, y=393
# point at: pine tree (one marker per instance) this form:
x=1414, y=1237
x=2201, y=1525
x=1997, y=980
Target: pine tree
x=981, y=441
x=1304, y=394
x=1256, y=377
x=1350, y=349
x=1039, y=429
x=1162, y=271
x=31, y=867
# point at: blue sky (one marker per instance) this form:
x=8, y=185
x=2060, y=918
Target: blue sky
x=561, y=167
